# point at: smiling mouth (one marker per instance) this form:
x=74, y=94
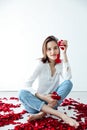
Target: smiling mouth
x=53, y=55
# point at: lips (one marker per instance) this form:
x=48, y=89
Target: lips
x=54, y=55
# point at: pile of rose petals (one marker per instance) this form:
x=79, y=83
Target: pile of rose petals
x=8, y=116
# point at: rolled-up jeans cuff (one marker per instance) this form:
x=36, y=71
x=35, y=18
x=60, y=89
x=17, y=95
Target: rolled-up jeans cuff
x=40, y=108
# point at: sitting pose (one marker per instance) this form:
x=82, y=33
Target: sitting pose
x=50, y=68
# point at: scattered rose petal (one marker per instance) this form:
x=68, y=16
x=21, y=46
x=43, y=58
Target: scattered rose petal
x=56, y=96
x=46, y=123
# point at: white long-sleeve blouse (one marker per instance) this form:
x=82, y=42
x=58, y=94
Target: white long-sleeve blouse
x=46, y=82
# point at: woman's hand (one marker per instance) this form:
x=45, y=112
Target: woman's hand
x=47, y=98
x=51, y=102
x=64, y=44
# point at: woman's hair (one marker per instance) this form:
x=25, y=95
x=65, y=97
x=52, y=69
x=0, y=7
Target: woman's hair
x=44, y=59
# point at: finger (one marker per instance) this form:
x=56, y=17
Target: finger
x=63, y=48
x=64, y=42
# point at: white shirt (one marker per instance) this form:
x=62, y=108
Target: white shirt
x=46, y=82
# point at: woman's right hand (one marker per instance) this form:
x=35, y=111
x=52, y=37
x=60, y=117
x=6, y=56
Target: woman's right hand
x=52, y=102
x=47, y=98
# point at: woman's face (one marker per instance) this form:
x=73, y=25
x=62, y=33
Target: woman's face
x=52, y=50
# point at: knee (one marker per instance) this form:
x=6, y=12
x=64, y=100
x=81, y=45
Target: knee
x=69, y=84
x=22, y=94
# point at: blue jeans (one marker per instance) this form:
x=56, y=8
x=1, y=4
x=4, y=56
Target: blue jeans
x=34, y=105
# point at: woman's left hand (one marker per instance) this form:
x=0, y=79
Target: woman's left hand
x=64, y=44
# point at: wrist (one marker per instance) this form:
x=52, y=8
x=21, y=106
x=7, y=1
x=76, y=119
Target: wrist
x=64, y=53
x=64, y=57
x=40, y=96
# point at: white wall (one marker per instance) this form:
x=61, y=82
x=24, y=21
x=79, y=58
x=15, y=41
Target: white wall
x=24, y=24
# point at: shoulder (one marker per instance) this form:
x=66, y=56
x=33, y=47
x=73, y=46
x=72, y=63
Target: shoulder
x=39, y=64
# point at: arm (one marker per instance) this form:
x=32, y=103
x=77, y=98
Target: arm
x=35, y=72
x=66, y=71
x=43, y=97
x=47, y=98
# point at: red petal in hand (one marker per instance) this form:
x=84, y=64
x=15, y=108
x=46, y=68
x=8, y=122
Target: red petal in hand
x=61, y=45
x=62, y=48
x=56, y=96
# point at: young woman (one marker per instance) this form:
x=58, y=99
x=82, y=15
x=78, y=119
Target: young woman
x=49, y=70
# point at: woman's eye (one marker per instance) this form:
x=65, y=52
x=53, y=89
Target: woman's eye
x=55, y=48
x=49, y=49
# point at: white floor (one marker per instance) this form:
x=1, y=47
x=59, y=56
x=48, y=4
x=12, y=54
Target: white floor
x=79, y=96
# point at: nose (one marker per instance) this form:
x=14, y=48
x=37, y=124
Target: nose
x=52, y=51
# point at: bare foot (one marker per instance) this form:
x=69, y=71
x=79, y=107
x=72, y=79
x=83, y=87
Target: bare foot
x=36, y=116
x=71, y=122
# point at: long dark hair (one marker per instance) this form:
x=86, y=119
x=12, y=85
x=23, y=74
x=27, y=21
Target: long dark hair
x=44, y=59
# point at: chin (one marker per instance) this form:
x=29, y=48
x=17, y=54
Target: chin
x=52, y=60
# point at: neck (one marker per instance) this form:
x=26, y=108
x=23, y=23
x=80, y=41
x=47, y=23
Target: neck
x=52, y=63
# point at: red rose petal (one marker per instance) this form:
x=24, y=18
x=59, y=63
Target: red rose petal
x=61, y=45
x=46, y=123
x=56, y=96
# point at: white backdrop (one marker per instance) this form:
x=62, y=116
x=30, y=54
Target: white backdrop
x=24, y=24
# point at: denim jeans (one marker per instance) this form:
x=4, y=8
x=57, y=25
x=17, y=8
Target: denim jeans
x=33, y=105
